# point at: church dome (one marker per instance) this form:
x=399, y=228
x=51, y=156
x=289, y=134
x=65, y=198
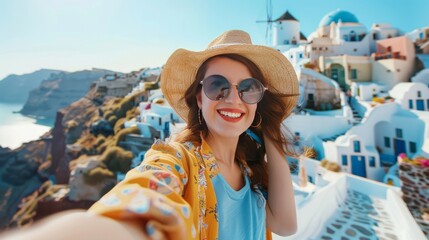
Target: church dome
x=336, y=15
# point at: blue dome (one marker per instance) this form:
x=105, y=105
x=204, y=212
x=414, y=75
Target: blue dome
x=335, y=16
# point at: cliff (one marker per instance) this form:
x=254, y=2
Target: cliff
x=20, y=175
x=15, y=88
x=25, y=172
x=59, y=91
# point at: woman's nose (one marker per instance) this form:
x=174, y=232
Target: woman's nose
x=233, y=95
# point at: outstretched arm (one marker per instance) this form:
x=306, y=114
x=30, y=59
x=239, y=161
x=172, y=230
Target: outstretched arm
x=78, y=224
x=281, y=210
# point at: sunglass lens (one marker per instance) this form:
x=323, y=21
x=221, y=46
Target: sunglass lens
x=251, y=90
x=216, y=87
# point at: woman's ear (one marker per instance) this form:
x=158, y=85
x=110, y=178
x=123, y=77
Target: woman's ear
x=199, y=99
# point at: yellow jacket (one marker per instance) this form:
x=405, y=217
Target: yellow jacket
x=169, y=192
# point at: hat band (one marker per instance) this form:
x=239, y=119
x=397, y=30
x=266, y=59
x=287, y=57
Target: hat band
x=225, y=45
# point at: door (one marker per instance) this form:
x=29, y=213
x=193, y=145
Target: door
x=420, y=105
x=358, y=166
x=338, y=74
x=399, y=146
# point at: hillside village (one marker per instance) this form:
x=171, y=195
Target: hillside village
x=363, y=108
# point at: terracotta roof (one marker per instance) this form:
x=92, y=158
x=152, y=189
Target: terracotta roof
x=286, y=16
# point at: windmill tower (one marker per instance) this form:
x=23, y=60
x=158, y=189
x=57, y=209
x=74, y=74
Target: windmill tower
x=286, y=30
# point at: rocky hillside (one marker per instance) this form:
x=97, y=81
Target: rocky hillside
x=27, y=173
x=15, y=88
x=59, y=91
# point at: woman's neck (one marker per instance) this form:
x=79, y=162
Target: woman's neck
x=223, y=148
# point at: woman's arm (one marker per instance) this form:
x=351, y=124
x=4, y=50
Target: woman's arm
x=281, y=210
x=77, y=224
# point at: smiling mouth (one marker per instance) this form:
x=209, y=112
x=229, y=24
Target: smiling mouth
x=233, y=115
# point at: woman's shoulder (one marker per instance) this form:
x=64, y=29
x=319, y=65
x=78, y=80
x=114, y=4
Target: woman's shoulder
x=180, y=150
x=167, y=145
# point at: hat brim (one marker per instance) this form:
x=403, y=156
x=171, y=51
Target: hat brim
x=181, y=68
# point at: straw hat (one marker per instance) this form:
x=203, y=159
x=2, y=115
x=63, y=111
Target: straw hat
x=181, y=69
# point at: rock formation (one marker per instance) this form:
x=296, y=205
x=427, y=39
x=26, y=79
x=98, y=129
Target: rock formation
x=59, y=91
x=15, y=88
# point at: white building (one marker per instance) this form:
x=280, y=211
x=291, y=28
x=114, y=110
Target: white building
x=422, y=77
x=394, y=61
x=340, y=33
x=297, y=57
x=412, y=96
x=159, y=115
x=286, y=33
x=381, y=31
x=318, y=91
x=418, y=34
x=387, y=131
x=366, y=91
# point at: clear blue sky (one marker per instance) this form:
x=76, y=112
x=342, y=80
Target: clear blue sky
x=126, y=35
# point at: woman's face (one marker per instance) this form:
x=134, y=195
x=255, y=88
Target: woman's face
x=230, y=116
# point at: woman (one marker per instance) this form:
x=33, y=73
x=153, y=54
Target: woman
x=226, y=175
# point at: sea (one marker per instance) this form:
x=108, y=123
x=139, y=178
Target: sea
x=16, y=129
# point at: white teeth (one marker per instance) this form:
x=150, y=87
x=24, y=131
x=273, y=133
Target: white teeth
x=230, y=114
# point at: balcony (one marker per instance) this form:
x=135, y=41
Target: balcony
x=389, y=55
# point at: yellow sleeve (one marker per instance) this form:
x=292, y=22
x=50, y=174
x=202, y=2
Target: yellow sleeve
x=153, y=194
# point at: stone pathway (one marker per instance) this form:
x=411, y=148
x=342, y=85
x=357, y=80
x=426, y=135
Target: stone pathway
x=359, y=217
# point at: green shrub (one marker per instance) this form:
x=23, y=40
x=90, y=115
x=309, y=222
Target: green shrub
x=119, y=125
x=112, y=120
x=117, y=159
x=97, y=175
x=71, y=124
x=107, y=114
x=332, y=166
x=120, y=136
x=100, y=140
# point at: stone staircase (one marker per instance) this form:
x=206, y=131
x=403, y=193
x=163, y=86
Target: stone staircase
x=356, y=118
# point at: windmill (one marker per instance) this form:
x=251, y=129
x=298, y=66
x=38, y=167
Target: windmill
x=269, y=21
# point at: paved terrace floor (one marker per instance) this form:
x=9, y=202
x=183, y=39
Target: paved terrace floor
x=359, y=217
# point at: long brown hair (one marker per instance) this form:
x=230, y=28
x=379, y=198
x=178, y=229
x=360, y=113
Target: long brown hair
x=249, y=153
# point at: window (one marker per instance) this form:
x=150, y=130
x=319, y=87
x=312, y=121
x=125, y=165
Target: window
x=286, y=42
x=159, y=121
x=374, y=36
x=398, y=133
x=387, y=142
x=354, y=74
x=413, y=148
x=419, y=94
x=300, y=55
x=372, y=161
x=410, y=104
x=291, y=56
x=344, y=160
x=427, y=103
x=356, y=145
x=354, y=49
x=297, y=134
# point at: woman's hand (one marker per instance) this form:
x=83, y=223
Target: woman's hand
x=81, y=225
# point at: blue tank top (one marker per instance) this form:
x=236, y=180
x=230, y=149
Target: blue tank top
x=241, y=213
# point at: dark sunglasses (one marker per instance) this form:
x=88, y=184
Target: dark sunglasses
x=217, y=87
